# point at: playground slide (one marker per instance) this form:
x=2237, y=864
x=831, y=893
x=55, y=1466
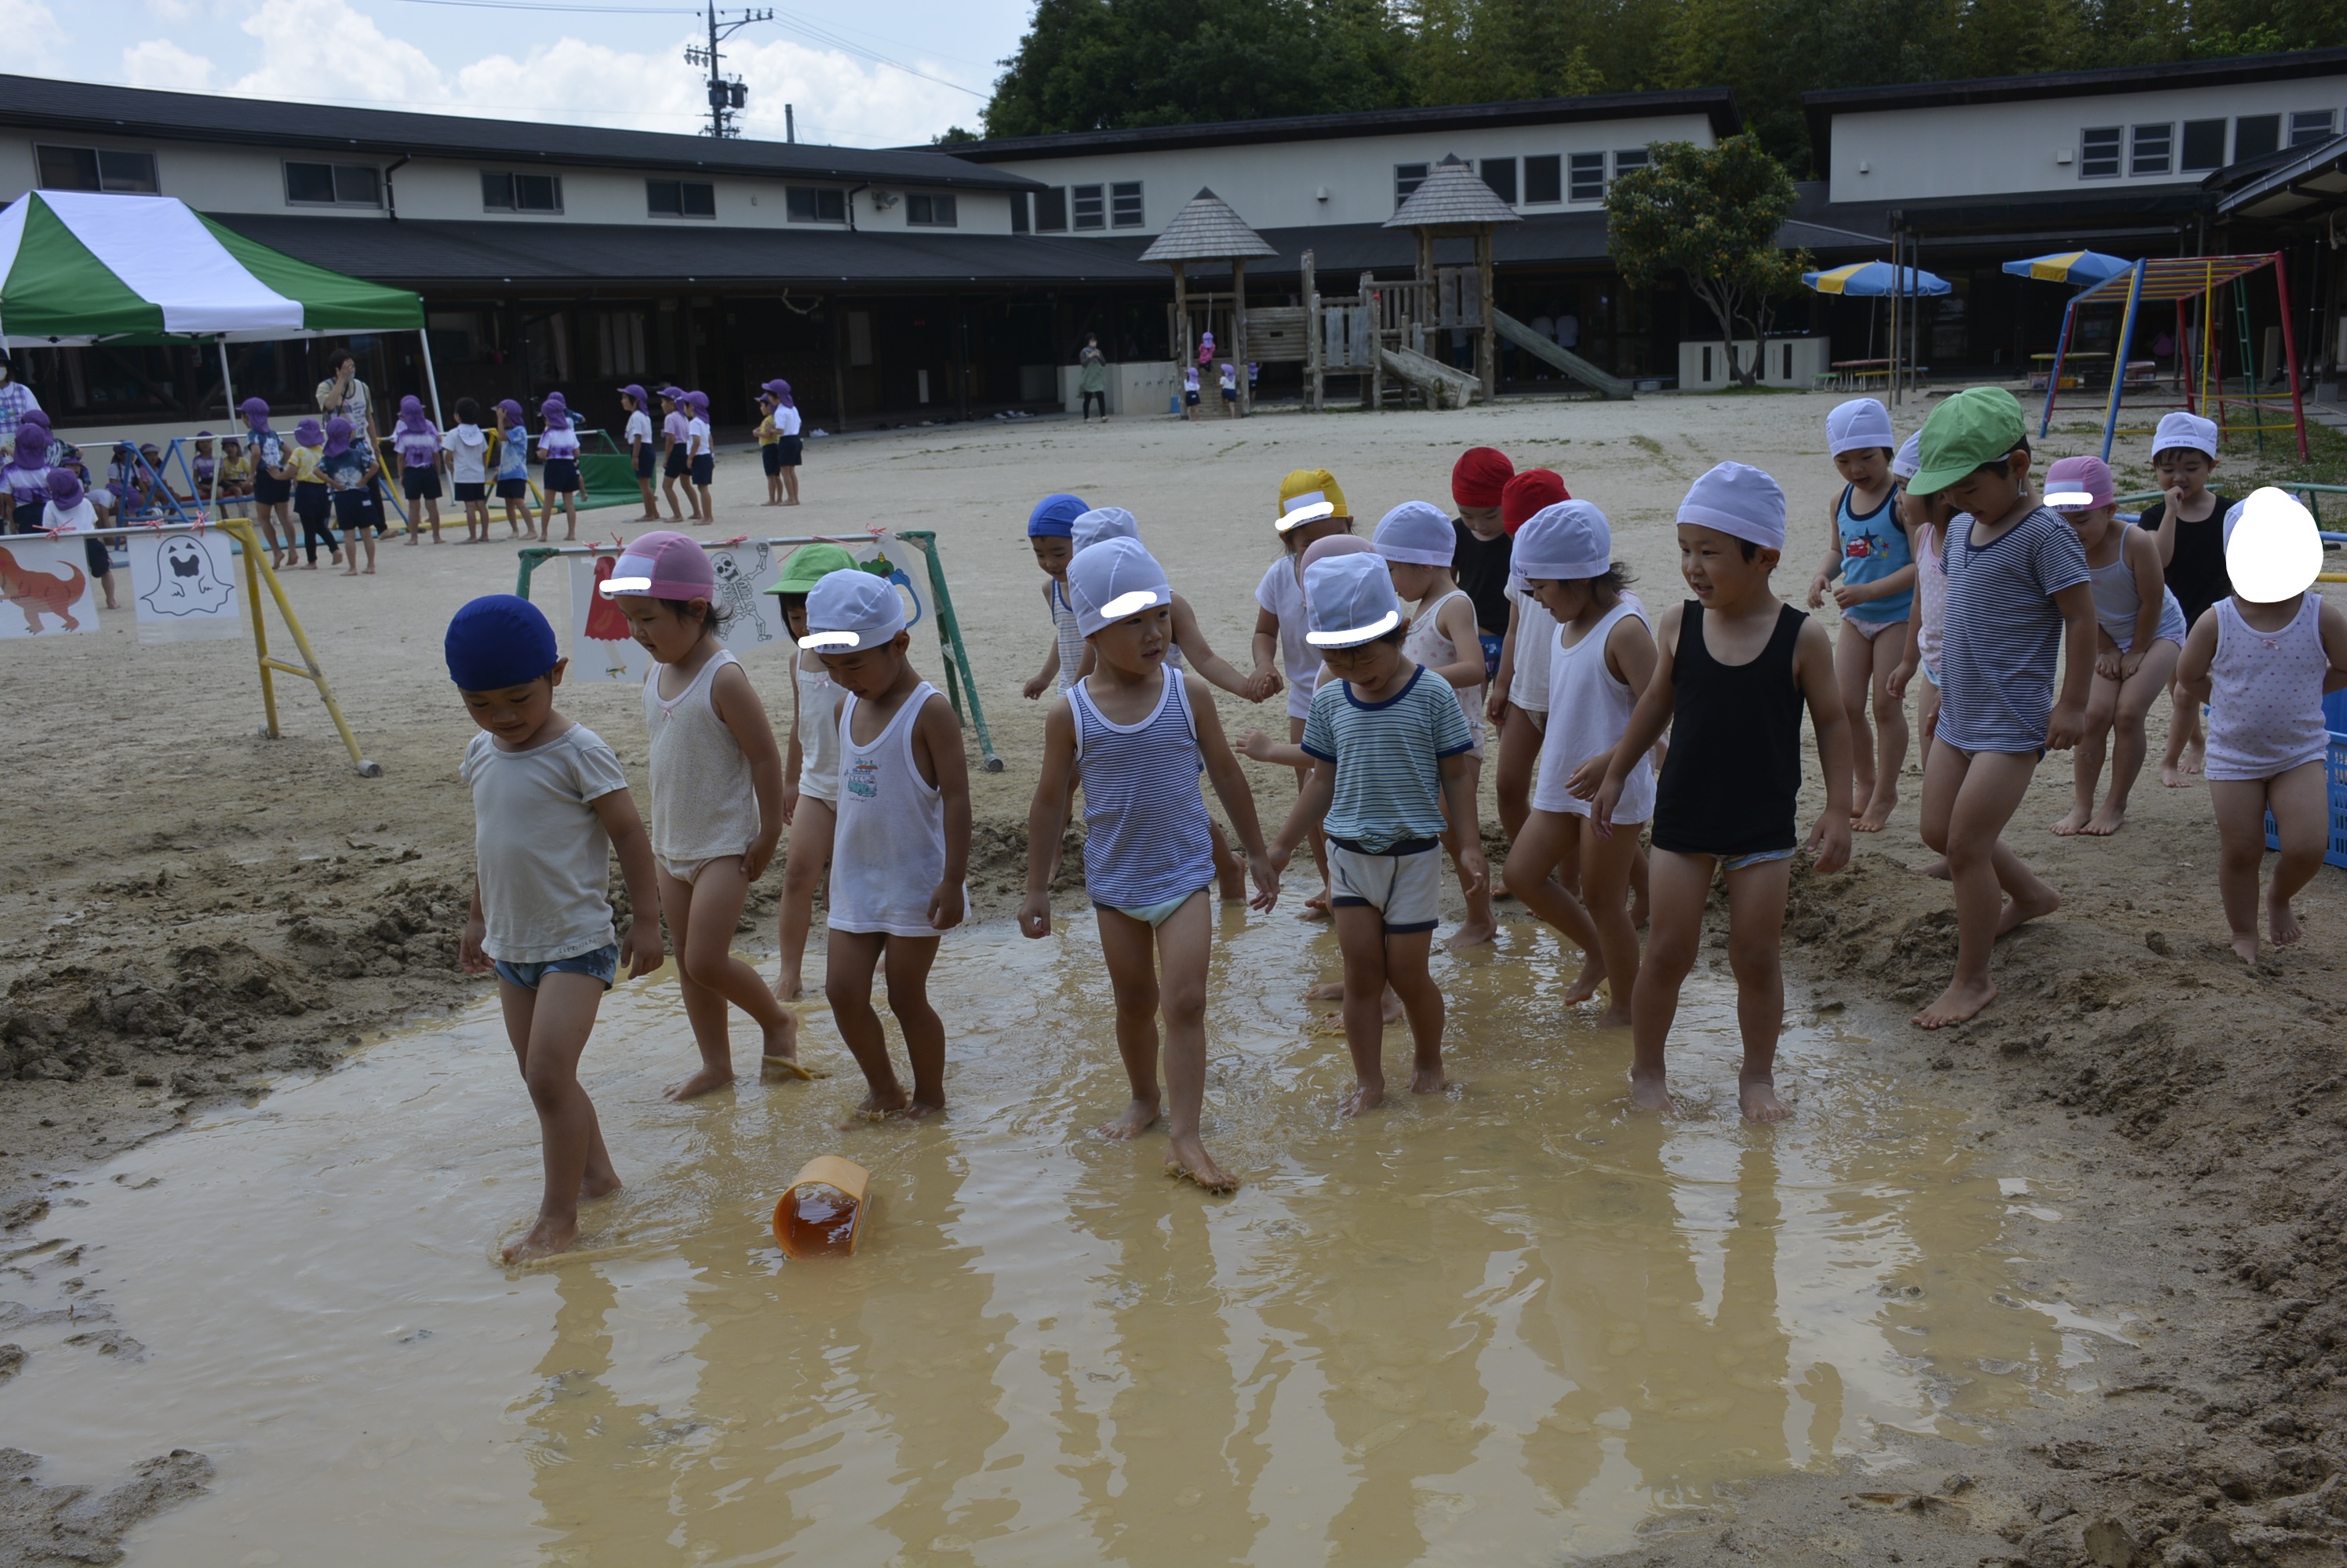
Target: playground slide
x=1563, y=359
x=1444, y=388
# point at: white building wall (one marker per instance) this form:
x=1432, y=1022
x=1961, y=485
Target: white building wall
x=2035, y=145
x=1279, y=185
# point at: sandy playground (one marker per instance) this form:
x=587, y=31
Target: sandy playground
x=198, y=914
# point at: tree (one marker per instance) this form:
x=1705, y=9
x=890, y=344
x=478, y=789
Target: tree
x=1710, y=216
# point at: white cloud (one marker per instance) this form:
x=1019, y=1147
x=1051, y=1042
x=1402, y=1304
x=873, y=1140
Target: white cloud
x=322, y=49
x=160, y=63
x=30, y=26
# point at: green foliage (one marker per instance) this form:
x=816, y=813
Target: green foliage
x=1093, y=65
x=1709, y=216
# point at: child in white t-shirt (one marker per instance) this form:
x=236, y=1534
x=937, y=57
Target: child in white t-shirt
x=642, y=456
x=468, y=468
x=703, y=455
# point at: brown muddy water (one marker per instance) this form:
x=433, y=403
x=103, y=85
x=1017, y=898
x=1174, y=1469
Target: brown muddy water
x=1508, y=1324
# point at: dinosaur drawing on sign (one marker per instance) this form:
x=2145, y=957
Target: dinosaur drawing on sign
x=39, y=593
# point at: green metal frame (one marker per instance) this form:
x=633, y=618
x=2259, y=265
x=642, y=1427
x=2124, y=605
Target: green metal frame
x=961, y=680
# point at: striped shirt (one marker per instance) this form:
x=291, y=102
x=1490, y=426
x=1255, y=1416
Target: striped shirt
x=1146, y=838
x=1388, y=759
x=1064, y=630
x=2001, y=631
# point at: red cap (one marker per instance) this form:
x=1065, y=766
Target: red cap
x=1527, y=492
x=1478, y=476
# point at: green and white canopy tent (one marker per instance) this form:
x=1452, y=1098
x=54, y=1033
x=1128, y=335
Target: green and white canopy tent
x=80, y=268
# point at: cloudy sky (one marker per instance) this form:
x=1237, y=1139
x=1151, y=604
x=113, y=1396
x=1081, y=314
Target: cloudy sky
x=594, y=62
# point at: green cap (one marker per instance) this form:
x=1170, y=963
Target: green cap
x=1979, y=424
x=808, y=565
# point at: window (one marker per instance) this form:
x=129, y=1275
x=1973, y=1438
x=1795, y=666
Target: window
x=679, y=198
x=2204, y=145
x=2310, y=125
x=96, y=168
x=1124, y=204
x=814, y=204
x=1544, y=178
x=1407, y=178
x=1018, y=210
x=1628, y=158
x=1588, y=177
x=2152, y=148
x=1051, y=211
x=2255, y=135
x=1499, y=174
x=930, y=211
x=333, y=185
x=1091, y=212
x=2099, y=152
x=521, y=193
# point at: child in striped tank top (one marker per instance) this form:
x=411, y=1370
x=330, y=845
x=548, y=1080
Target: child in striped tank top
x=811, y=770
x=1136, y=733
x=1049, y=529
x=901, y=848
x=717, y=798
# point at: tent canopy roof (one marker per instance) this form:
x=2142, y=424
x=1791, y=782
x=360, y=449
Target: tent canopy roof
x=80, y=267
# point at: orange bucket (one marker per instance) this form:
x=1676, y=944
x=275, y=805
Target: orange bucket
x=821, y=1213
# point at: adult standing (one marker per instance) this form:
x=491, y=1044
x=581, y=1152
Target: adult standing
x=1091, y=377
x=343, y=395
x=16, y=400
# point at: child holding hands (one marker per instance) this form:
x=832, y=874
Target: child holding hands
x=1389, y=747
x=551, y=805
x=902, y=847
x=1311, y=507
x=811, y=772
x=1137, y=733
x=1872, y=556
x=1734, y=668
x=717, y=796
x=2262, y=660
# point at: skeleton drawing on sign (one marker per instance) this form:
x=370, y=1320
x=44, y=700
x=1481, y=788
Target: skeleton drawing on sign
x=737, y=597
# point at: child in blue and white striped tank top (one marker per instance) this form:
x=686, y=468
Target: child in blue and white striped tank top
x=1138, y=733
x=1049, y=527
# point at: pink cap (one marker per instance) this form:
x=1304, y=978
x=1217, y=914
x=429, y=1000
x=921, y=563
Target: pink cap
x=2079, y=485
x=662, y=565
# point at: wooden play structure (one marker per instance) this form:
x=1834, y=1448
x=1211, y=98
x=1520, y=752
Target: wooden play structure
x=1208, y=230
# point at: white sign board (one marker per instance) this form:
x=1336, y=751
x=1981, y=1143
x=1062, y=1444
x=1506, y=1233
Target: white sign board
x=603, y=649
x=185, y=586
x=45, y=588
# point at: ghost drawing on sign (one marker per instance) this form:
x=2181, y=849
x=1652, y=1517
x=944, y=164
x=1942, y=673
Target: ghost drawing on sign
x=186, y=581
x=606, y=624
x=40, y=593
x=738, y=599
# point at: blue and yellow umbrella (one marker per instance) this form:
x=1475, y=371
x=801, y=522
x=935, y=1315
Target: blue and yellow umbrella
x=2081, y=267
x=1869, y=279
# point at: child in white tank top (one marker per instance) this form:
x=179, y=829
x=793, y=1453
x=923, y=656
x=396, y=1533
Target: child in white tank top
x=1417, y=543
x=1601, y=658
x=717, y=798
x=901, y=848
x=2263, y=668
x=810, y=769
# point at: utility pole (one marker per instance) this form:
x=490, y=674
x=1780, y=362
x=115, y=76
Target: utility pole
x=727, y=95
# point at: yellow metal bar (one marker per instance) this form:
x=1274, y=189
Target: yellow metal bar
x=242, y=530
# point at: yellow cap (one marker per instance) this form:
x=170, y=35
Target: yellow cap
x=1306, y=496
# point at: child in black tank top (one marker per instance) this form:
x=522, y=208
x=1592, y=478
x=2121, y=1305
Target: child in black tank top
x=1736, y=666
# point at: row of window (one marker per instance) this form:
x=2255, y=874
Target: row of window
x=2106, y=151
x=1548, y=177
x=1065, y=207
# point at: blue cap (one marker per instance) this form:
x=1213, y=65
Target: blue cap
x=499, y=640
x=1054, y=516
x=1104, y=523
x=1113, y=579
x=1348, y=600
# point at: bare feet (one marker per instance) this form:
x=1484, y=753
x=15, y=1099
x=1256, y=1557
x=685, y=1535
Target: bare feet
x=1957, y=1003
x=878, y=1106
x=2245, y=947
x=2282, y=921
x=1391, y=1006
x=1428, y=1080
x=1364, y=1098
x=1136, y=1120
x=1757, y=1097
x=1939, y=869
x=777, y=1068
x=1651, y=1094
x=2019, y=912
x=2106, y=821
x=2193, y=752
x=546, y=1239
x=1473, y=934
x=1189, y=1160
x=1877, y=813
x=592, y=1186
x=1327, y=991
x=1617, y=1016
x=699, y=1083
x=782, y=1037
x=789, y=989
x=2073, y=821
x=2171, y=774
x=1315, y=908
x=1584, y=984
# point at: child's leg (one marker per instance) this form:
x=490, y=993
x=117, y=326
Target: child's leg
x=1882, y=653
x=1230, y=868
x=791, y=486
x=651, y=502
x=2086, y=757
x=1314, y=908
x=2301, y=803
x=668, y=489
x=708, y=506
x=431, y=510
x=1755, y=924
x=1681, y=885
x=2240, y=808
x=1520, y=748
x=1481, y=925
x=1361, y=938
x=907, y=962
x=704, y=1010
x=1130, y=946
x=1927, y=730
x=705, y=957
x=1184, y=940
x=2182, y=758
x=849, y=960
x=1605, y=867
x=2129, y=745
x=1544, y=840
x=1638, y=900
x=548, y=1029
x=1853, y=668
x=803, y=868
x=571, y=514
x=1966, y=803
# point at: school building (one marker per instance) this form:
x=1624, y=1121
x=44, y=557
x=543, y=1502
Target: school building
x=896, y=285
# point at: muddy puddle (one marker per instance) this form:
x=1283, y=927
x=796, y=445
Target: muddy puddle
x=1508, y=1324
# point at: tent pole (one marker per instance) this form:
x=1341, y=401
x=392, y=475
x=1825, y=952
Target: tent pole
x=228, y=391
x=431, y=382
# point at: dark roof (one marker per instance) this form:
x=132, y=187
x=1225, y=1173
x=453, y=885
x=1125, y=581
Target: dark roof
x=1718, y=103
x=76, y=108
x=439, y=254
x=2296, y=184
x=1823, y=105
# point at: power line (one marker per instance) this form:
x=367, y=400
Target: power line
x=551, y=5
